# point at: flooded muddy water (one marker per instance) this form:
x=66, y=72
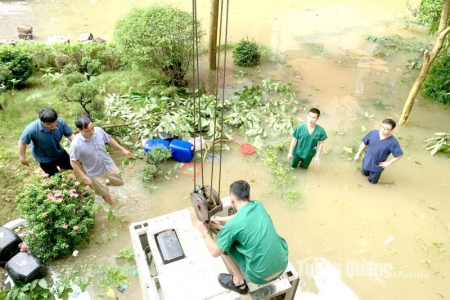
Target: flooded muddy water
x=342, y=224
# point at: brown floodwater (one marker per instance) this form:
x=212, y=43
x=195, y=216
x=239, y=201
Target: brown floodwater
x=341, y=222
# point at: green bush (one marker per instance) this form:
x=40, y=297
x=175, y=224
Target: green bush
x=159, y=38
x=76, y=88
x=246, y=53
x=150, y=172
x=15, y=67
x=437, y=83
x=59, y=215
x=158, y=155
x=43, y=55
x=58, y=55
x=428, y=14
x=105, y=53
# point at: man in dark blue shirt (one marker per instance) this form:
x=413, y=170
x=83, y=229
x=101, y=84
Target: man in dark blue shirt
x=380, y=144
x=44, y=135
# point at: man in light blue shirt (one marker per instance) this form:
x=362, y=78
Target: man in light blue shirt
x=88, y=148
x=44, y=135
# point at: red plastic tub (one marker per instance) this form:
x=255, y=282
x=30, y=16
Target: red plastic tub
x=247, y=149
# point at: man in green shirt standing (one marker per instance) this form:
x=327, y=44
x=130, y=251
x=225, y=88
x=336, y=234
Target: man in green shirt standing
x=307, y=142
x=250, y=244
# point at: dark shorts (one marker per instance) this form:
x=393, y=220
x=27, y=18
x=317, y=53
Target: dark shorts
x=240, y=260
x=304, y=162
x=63, y=162
x=373, y=177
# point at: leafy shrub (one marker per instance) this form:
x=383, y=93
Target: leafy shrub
x=150, y=172
x=15, y=67
x=105, y=53
x=246, y=53
x=37, y=289
x=59, y=55
x=112, y=276
x=158, y=155
x=437, y=84
x=428, y=14
x=86, y=66
x=59, y=215
x=43, y=55
x=157, y=37
x=76, y=88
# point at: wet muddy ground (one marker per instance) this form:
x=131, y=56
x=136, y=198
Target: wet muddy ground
x=340, y=218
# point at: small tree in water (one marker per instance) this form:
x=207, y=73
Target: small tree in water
x=160, y=38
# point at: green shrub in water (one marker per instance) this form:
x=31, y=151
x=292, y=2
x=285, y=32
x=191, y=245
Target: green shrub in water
x=246, y=53
x=159, y=38
x=437, y=84
x=150, y=172
x=59, y=215
x=15, y=67
x=158, y=155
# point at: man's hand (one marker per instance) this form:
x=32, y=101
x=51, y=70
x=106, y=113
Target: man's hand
x=203, y=228
x=289, y=156
x=87, y=181
x=24, y=161
x=356, y=158
x=126, y=152
x=317, y=160
x=384, y=164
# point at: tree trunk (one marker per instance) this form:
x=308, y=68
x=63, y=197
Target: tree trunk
x=428, y=59
x=213, y=34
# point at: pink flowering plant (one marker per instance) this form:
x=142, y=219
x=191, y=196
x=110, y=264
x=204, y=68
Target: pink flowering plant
x=59, y=213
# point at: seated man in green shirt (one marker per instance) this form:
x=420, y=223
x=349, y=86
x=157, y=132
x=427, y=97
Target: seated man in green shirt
x=250, y=244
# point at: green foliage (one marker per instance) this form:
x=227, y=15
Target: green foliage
x=160, y=38
x=59, y=215
x=112, y=276
x=105, y=53
x=282, y=173
x=127, y=253
x=267, y=108
x=348, y=153
x=158, y=155
x=15, y=67
x=59, y=55
x=161, y=114
x=437, y=83
x=35, y=290
x=43, y=55
x=246, y=53
x=388, y=45
x=291, y=196
x=86, y=66
x=273, y=157
x=256, y=112
x=427, y=14
x=150, y=173
x=439, y=143
x=76, y=88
